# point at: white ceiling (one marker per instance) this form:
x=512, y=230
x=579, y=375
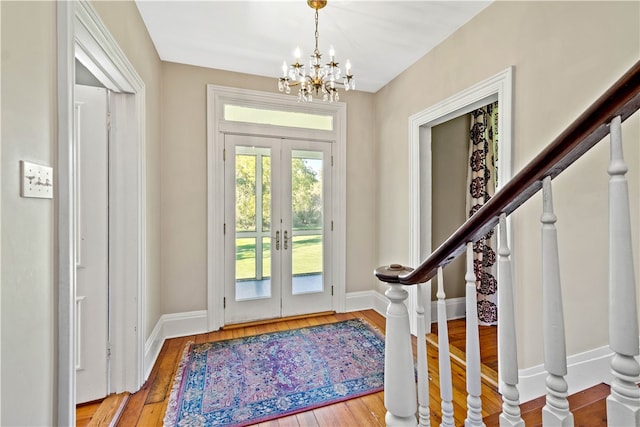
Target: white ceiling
x=381, y=38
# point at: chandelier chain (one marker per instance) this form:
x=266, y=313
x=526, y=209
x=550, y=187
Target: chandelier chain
x=317, y=34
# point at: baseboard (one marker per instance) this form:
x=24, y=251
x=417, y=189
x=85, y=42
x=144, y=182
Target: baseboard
x=171, y=326
x=456, y=309
x=367, y=300
x=584, y=370
x=152, y=348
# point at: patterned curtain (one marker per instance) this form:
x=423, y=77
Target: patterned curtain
x=482, y=179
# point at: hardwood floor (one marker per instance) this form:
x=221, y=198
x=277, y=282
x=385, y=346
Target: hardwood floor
x=147, y=406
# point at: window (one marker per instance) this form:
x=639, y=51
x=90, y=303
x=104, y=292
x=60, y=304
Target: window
x=237, y=113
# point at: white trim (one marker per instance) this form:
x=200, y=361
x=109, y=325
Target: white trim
x=374, y=300
x=152, y=347
x=0, y=230
x=497, y=87
x=456, y=309
x=65, y=261
x=79, y=29
x=217, y=96
x=172, y=326
x=584, y=370
x=362, y=300
x=367, y=300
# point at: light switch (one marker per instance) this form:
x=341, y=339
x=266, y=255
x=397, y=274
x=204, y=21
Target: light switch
x=37, y=180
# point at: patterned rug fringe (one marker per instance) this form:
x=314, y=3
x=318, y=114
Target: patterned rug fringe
x=172, y=406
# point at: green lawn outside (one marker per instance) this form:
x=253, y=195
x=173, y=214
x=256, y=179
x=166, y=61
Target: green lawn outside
x=307, y=256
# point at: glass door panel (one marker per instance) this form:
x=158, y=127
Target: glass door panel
x=308, y=289
x=276, y=203
x=250, y=290
x=307, y=221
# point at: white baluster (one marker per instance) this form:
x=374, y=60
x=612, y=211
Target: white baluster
x=444, y=359
x=423, y=315
x=399, y=375
x=623, y=404
x=508, y=354
x=556, y=411
x=474, y=381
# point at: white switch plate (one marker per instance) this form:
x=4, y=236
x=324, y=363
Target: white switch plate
x=37, y=180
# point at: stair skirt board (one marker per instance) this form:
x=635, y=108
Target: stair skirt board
x=584, y=370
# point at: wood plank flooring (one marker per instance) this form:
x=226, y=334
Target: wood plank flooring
x=147, y=406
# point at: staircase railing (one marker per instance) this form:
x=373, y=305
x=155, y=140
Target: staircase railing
x=602, y=118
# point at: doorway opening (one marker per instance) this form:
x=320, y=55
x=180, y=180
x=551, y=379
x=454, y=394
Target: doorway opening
x=421, y=167
x=83, y=36
x=277, y=241
x=277, y=244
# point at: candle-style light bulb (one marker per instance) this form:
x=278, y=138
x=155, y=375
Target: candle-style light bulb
x=332, y=53
x=347, y=67
x=297, y=54
x=284, y=68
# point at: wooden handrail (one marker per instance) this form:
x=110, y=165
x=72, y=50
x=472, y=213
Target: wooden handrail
x=621, y=99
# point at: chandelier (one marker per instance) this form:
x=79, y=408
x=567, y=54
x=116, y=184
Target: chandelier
x=319, y=77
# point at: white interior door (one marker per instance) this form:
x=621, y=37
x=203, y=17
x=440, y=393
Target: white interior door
x=277, y=234
x=92, y=242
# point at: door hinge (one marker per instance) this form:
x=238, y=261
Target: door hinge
x=108, y=350
x=331, y=161
x=224, y=302
x=108, y=121
x=331, y=225
x=224, y=154
x=224, y=228
x=331, y=290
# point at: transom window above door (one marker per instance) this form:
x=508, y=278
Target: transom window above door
x=239, y=113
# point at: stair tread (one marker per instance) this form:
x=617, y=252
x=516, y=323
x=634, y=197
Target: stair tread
x=489, y=376
x=588, y=407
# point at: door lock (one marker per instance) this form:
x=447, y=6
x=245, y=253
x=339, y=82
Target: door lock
x=286, y=241
x=278, y=240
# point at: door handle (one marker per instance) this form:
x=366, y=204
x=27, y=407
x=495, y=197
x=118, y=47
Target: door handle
x=277, y=240
x=286, y=241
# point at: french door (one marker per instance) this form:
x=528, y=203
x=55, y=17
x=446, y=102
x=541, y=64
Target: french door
x=277, y=242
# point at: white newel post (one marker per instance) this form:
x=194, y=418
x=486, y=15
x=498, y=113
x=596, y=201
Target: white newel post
x=623, y=404
x=508, y=354
x=423, y=315
x=474, y=379
x=399, y=375
x=444, y=357
x=556, y=411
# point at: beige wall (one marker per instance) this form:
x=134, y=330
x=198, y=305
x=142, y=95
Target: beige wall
x=127, y=28
x=28, y=133
x=184, y=189
x=29, y=115
x=565, y=54
x=450, y=154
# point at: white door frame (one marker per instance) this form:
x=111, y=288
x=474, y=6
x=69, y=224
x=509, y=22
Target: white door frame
x=217, y=98
x=496, y=88
x=81, y=34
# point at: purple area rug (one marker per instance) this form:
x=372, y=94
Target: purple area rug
x=244, y=381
